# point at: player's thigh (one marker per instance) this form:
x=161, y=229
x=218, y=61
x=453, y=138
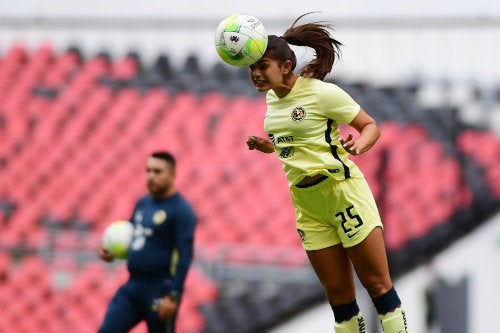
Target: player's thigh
x=333, y=268
x=370, y=262
x=356, y=211
x=151, y=295
x=121, y=314
x=151, y=316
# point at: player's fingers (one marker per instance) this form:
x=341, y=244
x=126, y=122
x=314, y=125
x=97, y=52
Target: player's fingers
x=252, y=145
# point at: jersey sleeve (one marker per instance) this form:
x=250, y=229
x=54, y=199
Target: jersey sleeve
x=338, y=104
x=184, y=238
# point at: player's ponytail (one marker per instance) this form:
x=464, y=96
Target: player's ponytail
x=314, y=35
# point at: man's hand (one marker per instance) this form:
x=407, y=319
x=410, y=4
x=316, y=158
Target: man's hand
x=167, y=308
x=105, y=254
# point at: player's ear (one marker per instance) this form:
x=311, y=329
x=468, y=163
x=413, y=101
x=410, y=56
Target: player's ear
x=172, y=171
x=286, y=68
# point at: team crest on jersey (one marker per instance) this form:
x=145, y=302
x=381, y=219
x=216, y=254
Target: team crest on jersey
x=298, y=113
x=159, y=217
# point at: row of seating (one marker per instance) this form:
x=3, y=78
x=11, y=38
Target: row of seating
x=75, y=134
x=84, y=133
x=62, y=295
x=84, y=141
x=91, y=170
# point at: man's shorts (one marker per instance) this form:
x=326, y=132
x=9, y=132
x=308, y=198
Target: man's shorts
x=335, y=212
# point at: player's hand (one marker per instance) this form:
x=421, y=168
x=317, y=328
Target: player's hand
x=349, y=145
x=260, y=144
x=105, y=254
x=167, y=308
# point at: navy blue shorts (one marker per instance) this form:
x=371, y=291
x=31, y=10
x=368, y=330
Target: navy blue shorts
x=135, y=301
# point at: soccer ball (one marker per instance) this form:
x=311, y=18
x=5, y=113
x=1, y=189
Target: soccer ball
x=241, y=40
x=117, y=238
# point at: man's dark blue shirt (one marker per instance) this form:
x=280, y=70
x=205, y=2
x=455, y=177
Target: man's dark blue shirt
x=162, y=245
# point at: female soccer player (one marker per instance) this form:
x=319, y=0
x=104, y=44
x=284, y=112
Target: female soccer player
x=337, y=217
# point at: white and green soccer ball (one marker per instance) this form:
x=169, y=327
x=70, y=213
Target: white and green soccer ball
x=117, y=238
x=241, y=40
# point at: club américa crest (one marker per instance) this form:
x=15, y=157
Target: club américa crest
x=298, y=113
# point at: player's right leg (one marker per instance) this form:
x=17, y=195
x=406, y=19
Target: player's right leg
x=121, y=314
x=370, y=261
x=315, y=206
x=333, y=268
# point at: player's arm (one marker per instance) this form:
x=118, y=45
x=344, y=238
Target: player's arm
x=184, y=238
x=368, y=130
x=261, y=144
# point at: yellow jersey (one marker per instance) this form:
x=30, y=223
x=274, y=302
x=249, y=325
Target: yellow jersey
x=303, y=127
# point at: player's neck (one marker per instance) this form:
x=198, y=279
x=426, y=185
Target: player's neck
x=167, y=194
x=286, y=87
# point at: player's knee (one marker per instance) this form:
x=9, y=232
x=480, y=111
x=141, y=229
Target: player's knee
x=377, y=287
x=338, y=295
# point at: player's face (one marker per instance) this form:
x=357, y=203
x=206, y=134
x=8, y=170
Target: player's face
x=159, y=177
x=266, y=74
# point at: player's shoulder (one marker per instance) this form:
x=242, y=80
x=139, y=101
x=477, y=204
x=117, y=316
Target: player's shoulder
x=145, y=202
x=327, y=85
x=184, y=205
x=320, y=85
x=144, y=199
x=329, y=91
x=182, y=201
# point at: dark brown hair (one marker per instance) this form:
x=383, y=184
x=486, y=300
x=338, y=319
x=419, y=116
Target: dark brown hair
x=314, y=35
x=166, y=156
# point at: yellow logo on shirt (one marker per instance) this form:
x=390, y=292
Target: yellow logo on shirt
x=159, y=217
